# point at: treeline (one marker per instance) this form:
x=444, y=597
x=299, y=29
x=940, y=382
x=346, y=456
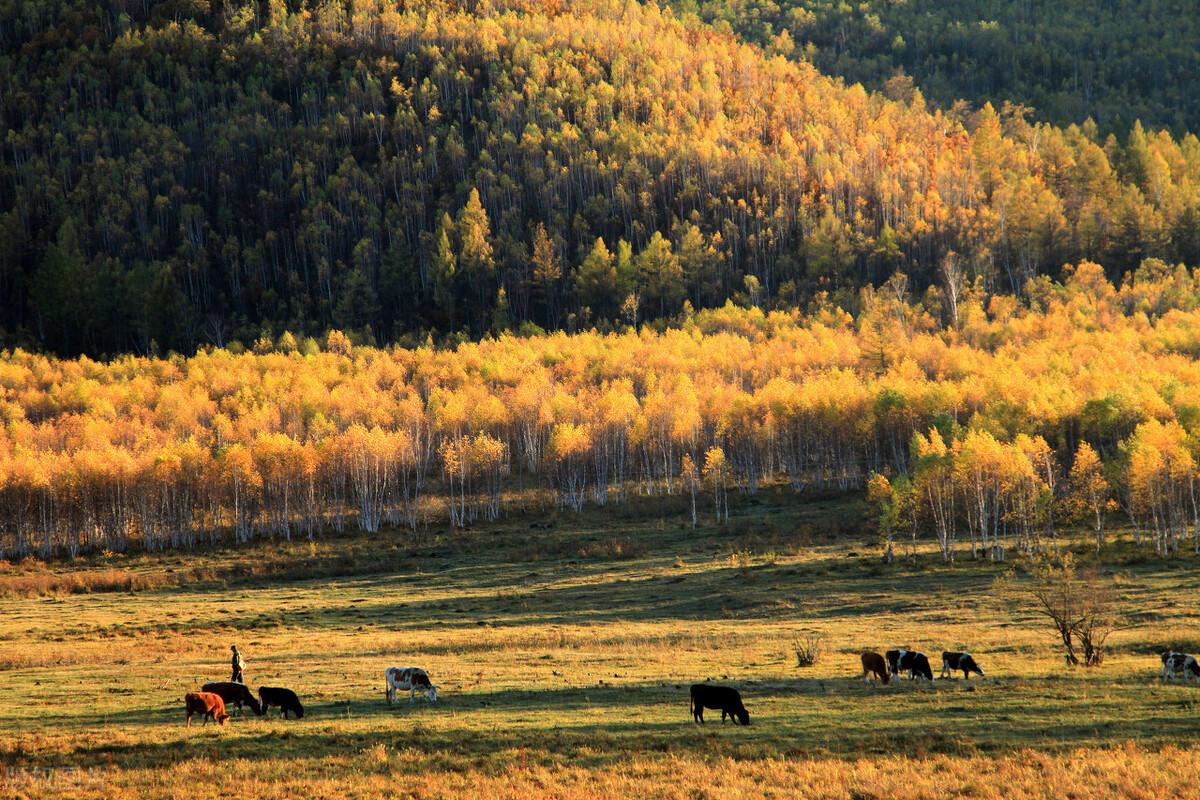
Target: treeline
x=178, y=174
x=1021, y=418
x=1070, y=60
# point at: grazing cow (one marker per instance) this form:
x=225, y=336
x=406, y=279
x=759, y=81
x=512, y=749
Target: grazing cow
x=414, y=679
x=234, y=695
x=873, y=662
x=1180, y=662
x=953, y=662
x=910, y=661
x=706, y=695
x=284, y=698
x=206, y=703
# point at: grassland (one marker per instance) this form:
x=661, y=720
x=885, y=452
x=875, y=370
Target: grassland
x=564, y=647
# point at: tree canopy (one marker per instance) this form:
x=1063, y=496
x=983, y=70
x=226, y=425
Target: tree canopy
x=992, y=432
x=180, y=174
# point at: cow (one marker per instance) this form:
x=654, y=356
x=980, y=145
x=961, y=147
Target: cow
x=910, y=661
x=284, y=698
x=414, y=679
x=705, y=695
x=873, y=662
x=235, y=694
x=210, y=705
x=1180, y=662
x=953, y=662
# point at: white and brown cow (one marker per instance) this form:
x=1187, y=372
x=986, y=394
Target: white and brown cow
x=1180, y=663
x=414, y=679
x=953, y=662
x=910, y=661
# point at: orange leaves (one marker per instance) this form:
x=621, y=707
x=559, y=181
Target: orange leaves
x=739, y=394
x=237, y=468
x=570, y=441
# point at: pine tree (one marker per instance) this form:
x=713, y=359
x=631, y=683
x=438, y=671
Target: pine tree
x=443, y=268
x=596, y=281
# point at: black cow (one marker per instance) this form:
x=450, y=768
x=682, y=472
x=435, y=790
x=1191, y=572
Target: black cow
x=909, y=661
x=284, y=698
x=705, y=695
x=953, y=662
x=234, y=695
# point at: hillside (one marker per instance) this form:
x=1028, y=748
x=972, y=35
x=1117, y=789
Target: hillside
x=179, y=174
x=1069, y=60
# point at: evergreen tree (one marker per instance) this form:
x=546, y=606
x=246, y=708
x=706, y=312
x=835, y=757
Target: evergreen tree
x=596, y=282
x=443, y=267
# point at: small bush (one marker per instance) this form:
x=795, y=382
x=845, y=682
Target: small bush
x=808, y=650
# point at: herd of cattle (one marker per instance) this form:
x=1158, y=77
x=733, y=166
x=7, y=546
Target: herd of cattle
x=729, y=702
x=213, y=698
x=916, y=664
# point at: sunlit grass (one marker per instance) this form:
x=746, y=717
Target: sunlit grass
x=564, y=669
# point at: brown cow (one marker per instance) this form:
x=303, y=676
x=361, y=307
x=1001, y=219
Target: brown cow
x=206, y=703
x=873, y=662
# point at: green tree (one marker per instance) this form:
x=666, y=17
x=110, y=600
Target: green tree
x=64, y=292
x=476, y=262
x=547, y=273
x=596, y=282
x=443, y=267
x=660, y=275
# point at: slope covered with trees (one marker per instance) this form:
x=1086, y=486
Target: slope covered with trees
x=1070, y=60
x=183, y=173
x=992, y=432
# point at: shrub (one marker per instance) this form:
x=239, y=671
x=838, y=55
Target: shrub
x=808, y=650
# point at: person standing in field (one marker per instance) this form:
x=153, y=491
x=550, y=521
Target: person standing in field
x=238, y=665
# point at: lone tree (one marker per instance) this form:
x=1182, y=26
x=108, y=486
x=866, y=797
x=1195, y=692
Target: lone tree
x=1078, y=603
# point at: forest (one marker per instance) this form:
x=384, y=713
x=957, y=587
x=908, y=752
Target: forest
x=985, y=434
x=1066, y=60
x=181, y=174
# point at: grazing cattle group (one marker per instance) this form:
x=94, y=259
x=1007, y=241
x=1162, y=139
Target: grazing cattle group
x=214, y=698
x=916, y=664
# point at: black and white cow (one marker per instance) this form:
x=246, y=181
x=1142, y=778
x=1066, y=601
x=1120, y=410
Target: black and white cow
x=910, y=661
x=414, y=679
x=1180, y=663
x=953, y=662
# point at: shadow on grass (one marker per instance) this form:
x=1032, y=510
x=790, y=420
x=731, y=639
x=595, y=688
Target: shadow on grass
x=516, y=595
x=608, y=725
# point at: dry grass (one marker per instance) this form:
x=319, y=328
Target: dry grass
x=566, y=676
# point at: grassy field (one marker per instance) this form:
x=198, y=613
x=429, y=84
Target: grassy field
x=563, y=647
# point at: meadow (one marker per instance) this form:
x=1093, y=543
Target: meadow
x=564, y=645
